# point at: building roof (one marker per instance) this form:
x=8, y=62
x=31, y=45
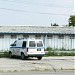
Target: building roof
x=37, y=29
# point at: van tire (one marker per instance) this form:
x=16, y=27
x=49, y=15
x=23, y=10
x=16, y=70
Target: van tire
x=10, y=55
x=39, y=58
x=22, y=56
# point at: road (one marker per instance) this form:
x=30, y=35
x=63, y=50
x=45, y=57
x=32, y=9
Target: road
x=41, y=73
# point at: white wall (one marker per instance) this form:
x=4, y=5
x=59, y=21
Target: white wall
x=55, y=42
x=65, y=43
x=5, y=42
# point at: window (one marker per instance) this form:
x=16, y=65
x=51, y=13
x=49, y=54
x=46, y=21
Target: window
x=1, y=36
x=15, y=41
x=61, y=36
x=37, y=36
x=13, y=44
x=72, y=36
x=13, y=36
x=32, y=44
x=39, y=44
x=49, y=36
x=25, y=36
x=24, y=44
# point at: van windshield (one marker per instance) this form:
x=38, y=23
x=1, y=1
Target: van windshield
x=32, y=44
x=39, y=44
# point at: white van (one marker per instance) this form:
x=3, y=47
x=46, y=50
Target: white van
x=27, y=48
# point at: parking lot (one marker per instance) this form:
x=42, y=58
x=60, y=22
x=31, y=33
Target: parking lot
x=32, y=64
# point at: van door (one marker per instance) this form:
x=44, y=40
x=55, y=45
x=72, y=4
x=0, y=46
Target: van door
x=24, y=47
x=18, y=47
x=35, y=47
x=40, y=47
x=32, y=47
x=13, y=48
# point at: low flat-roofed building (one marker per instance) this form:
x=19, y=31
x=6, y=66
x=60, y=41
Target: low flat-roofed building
x=54, y=37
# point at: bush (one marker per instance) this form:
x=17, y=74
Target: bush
x=48, y=49
x=4, y=54
x=64, y=54
x=62, y=49
x=60, y=54
x=52, y=53
x=72, y=54
x=73, y=49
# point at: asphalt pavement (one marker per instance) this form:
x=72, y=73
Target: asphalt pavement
x=32, y=64
x=41, y=73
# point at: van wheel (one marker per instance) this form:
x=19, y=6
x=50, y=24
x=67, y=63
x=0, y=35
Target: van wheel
x=39, y=58
x=10, y=55
x=22, y=56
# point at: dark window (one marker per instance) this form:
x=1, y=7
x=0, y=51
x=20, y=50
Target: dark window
x=32, y=44
x=25, y=36
x=37, y=36
x=24, y=44
x=13, y=36
x=13, y=45
x=39, y=44
x=49, y=36
x=1, y=36
x=15, y=41
x=61, y=36
x=72, y=36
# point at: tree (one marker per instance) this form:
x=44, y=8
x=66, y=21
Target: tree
x=72, y=20
x=54, y=24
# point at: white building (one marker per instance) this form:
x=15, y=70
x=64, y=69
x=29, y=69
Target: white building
x=54, y=37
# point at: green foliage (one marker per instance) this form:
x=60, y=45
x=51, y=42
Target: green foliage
x=60, y=54
x=52, y=54
x=72, y=21
x=4, y=54
x=64, y=54
x=55, y=52
x=73, y=49
x=54, y=24
x=49, y=49
x=62, y=49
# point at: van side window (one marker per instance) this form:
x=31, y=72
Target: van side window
x=24, y=44
x=32, y=44
x=13, y=44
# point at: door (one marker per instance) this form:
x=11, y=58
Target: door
x=13, y=48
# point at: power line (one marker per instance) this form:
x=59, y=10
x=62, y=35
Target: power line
x=40, y=4
x=32, y=12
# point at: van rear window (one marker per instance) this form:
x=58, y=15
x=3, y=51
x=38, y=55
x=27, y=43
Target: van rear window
x=32, y=44
x=39, y=44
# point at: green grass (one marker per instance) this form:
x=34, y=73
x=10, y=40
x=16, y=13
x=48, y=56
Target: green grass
x=4, y=54
x=59, y=52
x=50, y=53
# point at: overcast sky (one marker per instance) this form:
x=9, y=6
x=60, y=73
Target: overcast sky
x=35, y=12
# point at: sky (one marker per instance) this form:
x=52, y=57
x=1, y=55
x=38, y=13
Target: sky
x=35, y=12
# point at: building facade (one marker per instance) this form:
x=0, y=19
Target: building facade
x=54, y=37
